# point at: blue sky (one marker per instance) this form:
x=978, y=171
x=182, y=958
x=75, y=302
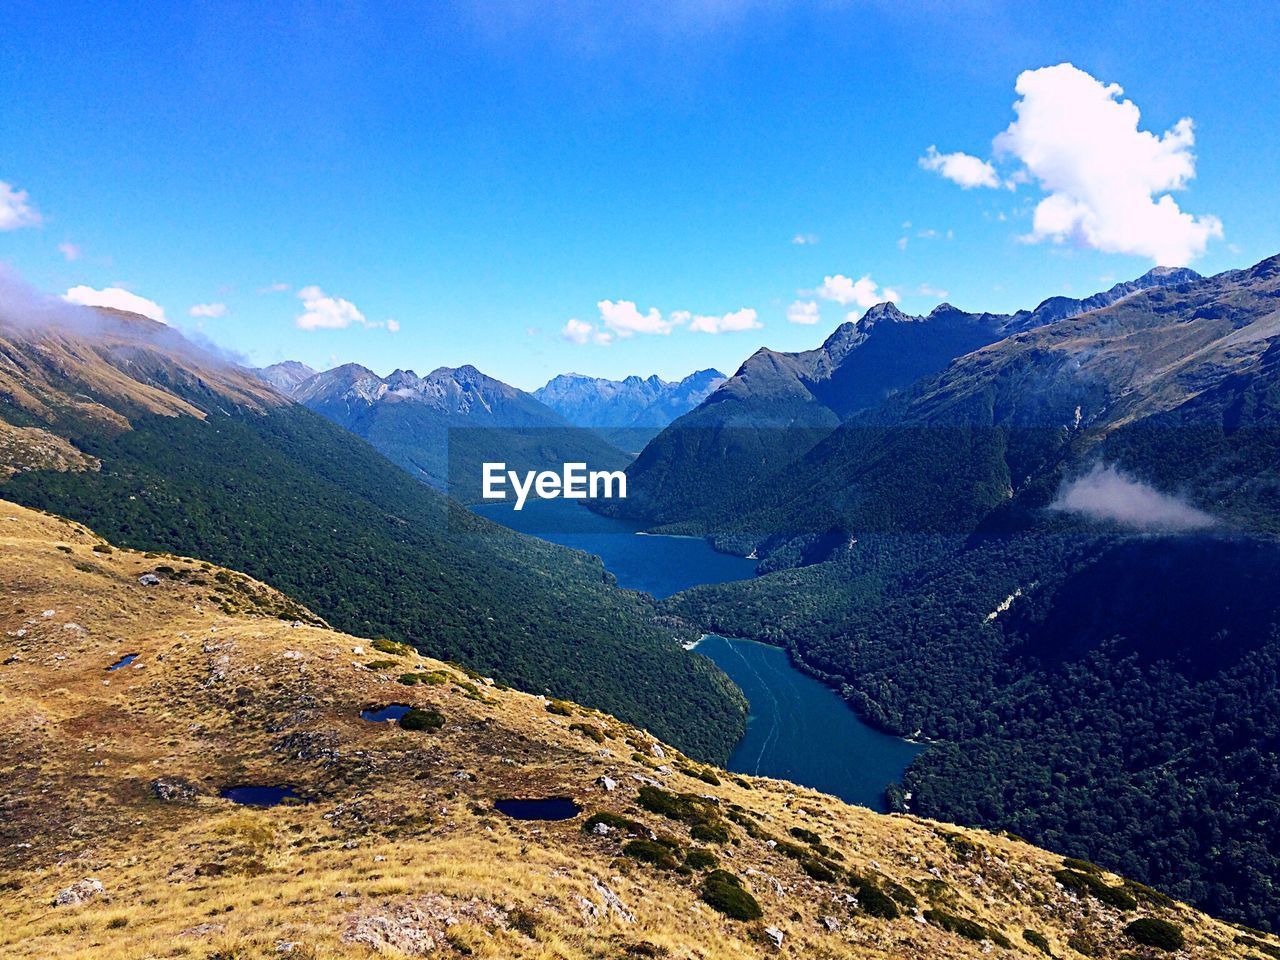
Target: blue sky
x=483, y=173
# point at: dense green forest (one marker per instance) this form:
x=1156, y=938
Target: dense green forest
x=1125, y=709
x=299, y=503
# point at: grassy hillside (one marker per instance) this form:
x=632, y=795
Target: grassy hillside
x=117, y=843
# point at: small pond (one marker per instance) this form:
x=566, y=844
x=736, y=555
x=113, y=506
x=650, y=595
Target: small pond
x=124, y=661
x=392, y=711
x=549, y=808
x=262, y=796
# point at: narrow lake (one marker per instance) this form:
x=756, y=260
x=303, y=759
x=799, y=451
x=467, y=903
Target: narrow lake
x=798, y=729
x=659, y=566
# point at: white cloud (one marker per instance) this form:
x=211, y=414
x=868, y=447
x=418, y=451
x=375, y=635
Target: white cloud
x=1107, y=182
x=117, y=298
x=863, y=292
x=579, y=331
x=275, y=288
x=902, y=243
x=744, y=319
x=323, y=312
x=929, y=290
x=803, y=311
x=623, y=318
x=210, y=310
x=1106, y=493
x=962, y=168
x=70, y=251
x=16, y=210
x=393, y=326
x=805, y=239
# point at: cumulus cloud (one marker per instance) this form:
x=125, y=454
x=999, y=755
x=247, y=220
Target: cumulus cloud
x=70, y=251
x=744, y=319
x=323, y=312
x=623, y=318
x=962, y=168
x=863, y=292
x=116, y=297
x=1106, y=183
x=393, y=326
x=1107, y=493
x=208, y=310
x=579, y=331
x=803, y=311
x=16, y=209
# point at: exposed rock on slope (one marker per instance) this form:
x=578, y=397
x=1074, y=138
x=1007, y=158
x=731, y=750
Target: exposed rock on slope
x=397, y=847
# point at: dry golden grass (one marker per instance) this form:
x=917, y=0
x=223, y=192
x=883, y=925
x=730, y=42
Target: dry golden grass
x=401, y=839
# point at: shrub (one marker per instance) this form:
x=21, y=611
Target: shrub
x=393, y=647
x=101, y=548
x=875, y=902
x=381, y=664
x=722, y=891
x=588, y=731
x=1037, y=940
x=1083, y=866
x=808, y=836
x=614, y=821
x=710, y=833
x=647, y=851
x=560, y=708
x=418, y=719
x=818, y=870
x=700, y=859
x=1154, y=932
x=1083, y=944
x=969, y=929
x=1096, y=887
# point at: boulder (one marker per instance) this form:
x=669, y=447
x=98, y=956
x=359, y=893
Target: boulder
x=82, y=891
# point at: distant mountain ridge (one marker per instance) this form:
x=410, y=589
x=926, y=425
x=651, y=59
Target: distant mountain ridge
x=441, y=427
x=799, y=398
x=628, y=410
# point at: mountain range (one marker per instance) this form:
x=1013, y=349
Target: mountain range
x=628, y=412
x=777, y=406
x=444, y=426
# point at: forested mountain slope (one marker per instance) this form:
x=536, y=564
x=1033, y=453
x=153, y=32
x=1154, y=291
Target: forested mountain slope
x=1056, y=558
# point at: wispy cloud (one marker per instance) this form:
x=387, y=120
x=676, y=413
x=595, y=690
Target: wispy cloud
x=804, y=312
x=863, y=292
x=961, y=168
x=1106, y=493
x=805, y=239
x=738, y=320
x=70, y=251
x=16, y=209
x=208, y=310
x=116, y=297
